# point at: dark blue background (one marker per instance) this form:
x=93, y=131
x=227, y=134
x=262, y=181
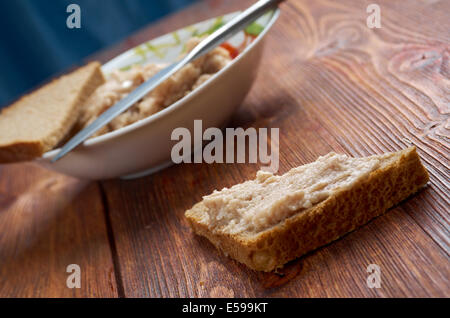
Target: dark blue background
x=36, y=42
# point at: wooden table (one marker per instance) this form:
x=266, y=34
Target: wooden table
x=333, y=85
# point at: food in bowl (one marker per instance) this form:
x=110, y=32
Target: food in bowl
x=122, y=82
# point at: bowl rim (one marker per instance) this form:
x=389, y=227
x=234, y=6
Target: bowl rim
x=140, y=123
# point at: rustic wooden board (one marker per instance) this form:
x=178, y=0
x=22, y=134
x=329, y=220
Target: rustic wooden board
x=332, y=85
x=47, y=222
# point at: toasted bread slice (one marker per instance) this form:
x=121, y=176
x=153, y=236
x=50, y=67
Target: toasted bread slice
x=39, y=121
x=267, y=222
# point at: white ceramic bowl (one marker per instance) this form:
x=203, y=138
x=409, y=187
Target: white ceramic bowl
x=145, y=146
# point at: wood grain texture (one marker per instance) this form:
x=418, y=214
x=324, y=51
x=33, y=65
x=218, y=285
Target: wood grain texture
x=47, y=222
x=330, y=84
x=333, y=85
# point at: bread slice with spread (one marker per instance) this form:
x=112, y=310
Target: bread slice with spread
x=271, y=220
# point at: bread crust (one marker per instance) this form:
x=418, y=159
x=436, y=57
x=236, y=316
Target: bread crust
x=342, y=212
x=24, y=150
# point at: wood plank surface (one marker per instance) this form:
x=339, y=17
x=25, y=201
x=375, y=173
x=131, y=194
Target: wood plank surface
x=47, y=222
x=329, y=83
x=333, y=85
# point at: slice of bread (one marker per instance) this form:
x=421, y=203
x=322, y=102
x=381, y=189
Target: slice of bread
x=267, y=222
x=37, y=122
